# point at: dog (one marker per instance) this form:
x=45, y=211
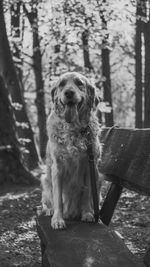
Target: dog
x=66, y=188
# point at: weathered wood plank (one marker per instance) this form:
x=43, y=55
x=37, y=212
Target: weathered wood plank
x=147, y=258
x=83, y=244
x=126, y=157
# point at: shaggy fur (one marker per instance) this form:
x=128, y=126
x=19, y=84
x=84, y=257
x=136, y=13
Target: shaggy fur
x=66, y=189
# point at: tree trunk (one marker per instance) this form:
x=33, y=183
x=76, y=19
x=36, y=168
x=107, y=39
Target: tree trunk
x=86, y=55
x=147, y=75
x=40, y=101
x=109, y=121
x=11, y=167
x=15, y=19
x=8, y=72
x=37, y=63
x=138, y=74
x=139, y=88
x=16, y=36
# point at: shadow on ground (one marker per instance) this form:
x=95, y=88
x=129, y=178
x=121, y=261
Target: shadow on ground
x=19, y=243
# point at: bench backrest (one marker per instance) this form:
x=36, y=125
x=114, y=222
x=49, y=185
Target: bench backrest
x=126, y=163
x=126, y=158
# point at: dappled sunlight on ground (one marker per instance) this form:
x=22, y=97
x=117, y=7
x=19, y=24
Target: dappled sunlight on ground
x=132, y=220
x=20, y=244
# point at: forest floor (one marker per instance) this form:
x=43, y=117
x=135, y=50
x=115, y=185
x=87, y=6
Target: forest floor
x=19, y=242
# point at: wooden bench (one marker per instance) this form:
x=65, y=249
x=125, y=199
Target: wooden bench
x=126, y=163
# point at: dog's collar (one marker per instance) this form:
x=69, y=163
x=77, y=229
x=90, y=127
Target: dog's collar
x=85, y=130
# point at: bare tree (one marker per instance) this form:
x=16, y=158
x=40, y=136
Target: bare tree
x=109, y=121
x=11, y=167
x=138, y=69
x=37, y=66
x=147, y=70
x=85, y=42
x=9, y=74
x=16, y=34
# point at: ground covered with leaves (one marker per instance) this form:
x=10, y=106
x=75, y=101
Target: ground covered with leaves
x=19, y=243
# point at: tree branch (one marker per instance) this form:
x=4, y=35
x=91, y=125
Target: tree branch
x=28, y=14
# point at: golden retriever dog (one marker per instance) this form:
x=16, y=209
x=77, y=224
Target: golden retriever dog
x=66, y=188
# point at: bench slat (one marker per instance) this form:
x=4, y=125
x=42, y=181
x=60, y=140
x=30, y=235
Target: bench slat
x=83, y=244
x=147, y=258
x=126, y=158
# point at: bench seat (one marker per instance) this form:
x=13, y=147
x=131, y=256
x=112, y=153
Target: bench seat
x=83, y=244
x=126, y=164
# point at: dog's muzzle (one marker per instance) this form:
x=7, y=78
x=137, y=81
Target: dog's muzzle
x=71, y=109
x=71, y=105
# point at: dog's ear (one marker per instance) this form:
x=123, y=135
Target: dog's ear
x=94, y=96
x=91, y=95
x=53, y=90
x=97, y=101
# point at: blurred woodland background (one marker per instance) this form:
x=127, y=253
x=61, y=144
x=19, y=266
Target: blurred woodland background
x=106, y=40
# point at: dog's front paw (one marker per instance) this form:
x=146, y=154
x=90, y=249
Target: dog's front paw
x=87, y=217
x=58, y=223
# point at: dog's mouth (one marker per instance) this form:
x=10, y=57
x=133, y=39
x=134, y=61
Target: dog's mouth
x=79, y=105
x=71, y=110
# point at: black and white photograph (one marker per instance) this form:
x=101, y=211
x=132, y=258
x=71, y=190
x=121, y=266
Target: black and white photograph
x=74, y=133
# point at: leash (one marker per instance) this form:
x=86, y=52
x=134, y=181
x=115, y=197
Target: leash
x=92, y=173
x=88, y=133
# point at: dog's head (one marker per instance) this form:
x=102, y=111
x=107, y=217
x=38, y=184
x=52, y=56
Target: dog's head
x=73, y=97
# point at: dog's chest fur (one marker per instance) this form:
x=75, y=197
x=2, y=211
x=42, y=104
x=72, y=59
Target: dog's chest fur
x=68, y=146
x=68, y=139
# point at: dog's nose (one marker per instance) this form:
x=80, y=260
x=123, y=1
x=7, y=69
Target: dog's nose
x=69, y=94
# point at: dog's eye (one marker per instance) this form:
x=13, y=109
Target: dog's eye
x=63, y=83
x=78, y=82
